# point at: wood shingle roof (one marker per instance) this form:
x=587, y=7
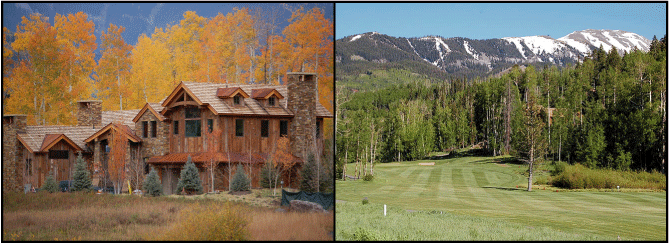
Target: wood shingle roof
x=207, y=94
x=34, y=136
x=123, y=116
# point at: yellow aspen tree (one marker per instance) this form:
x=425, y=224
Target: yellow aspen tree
x=37, y=70
x=113, y=70
x=77, y=45
x=117, y=158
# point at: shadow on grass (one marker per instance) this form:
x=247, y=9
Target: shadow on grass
x=505, y=188
x=456, y=154
x=506, y=160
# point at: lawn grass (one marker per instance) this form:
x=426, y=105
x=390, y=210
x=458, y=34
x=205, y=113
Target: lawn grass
x=482, y=199
x=86, y=216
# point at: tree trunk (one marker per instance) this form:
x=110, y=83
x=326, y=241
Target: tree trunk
x=507, y=119
x=531, y=169
x=343, y=176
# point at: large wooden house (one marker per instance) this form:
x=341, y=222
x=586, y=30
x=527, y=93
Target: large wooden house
x=249, y=118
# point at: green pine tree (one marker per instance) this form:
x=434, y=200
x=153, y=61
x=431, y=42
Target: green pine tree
x=308, y=181
x=50, y=184
x=81, y=178
x=189, y=180
x=152, y=185
x=267, y=174
x=240, y=182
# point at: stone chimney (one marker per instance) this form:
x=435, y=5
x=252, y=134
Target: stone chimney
x=302, y=98
x=12, y=175
x=89, y=113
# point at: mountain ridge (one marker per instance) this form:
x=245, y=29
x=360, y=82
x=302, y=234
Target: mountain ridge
x=465, y=57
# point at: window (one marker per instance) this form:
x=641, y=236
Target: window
x=59, y=154
x=237, y=99
x=283, y=128
x=153, y=129
x=210, y=125
x=192, y=112
x=176, y=127
x=193, y=122
x=239, y=127
x=193, y=128
x=29, y=167
x=271, y=101
x=107, y=149
x=145, y=126
x=318, y=129
x=264, y=128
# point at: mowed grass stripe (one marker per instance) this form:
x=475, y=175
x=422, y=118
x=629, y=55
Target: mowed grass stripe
x=477, y=193
x=408, y=171
x=418, y=184
x=433, y=182
x=460, y=189
x=446, y=190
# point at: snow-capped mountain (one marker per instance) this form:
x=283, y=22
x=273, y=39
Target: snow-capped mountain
x=588, y=40
x=467, y=57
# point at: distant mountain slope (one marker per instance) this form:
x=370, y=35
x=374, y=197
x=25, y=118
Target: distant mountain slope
x=441, y=57
x=588, y=40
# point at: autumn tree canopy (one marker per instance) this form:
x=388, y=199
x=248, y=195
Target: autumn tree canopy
x=47, y=68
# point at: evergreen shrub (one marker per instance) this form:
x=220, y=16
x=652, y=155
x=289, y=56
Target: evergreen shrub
x=50, y=184
x=189, y=180
x=240, y=182
x=152, y=185
x=81, y=180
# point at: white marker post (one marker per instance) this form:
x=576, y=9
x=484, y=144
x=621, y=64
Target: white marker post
x=384, y=210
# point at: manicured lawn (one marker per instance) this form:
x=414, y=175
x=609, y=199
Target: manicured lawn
x=480, y=200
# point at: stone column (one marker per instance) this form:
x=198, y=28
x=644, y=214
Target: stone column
x=302, y=98
x=12, y=176
x=89, y=113
x=97, y=166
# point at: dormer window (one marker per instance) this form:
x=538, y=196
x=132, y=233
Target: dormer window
x=266, y=97
x=232, y=96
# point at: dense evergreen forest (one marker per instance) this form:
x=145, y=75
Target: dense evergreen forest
x=608, y=111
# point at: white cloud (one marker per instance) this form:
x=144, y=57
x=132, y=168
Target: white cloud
x=25, y=7
x=100, y=20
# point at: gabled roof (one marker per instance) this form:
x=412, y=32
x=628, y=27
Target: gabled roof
x=52, y=139
x=230, y=92
x=170, y=98
x=123, y=129
x=265, y=93
x=35, y=136
x=125, y=117
x=207, y=94
x=154, y=108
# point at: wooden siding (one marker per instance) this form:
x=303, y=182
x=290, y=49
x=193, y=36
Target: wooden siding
x=252, y=138
x=41, y=165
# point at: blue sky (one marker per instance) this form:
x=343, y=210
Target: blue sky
x=497, y=20
x=138, y=18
